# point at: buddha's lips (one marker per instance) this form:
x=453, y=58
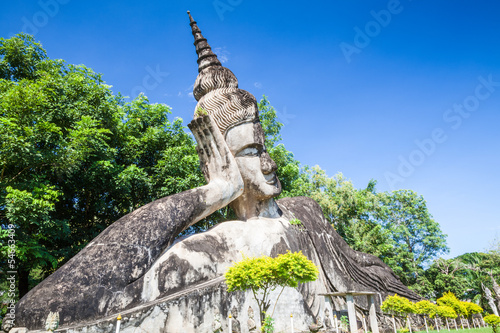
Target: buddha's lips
x=273, y=180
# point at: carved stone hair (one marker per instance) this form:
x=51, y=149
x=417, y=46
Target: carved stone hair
x=216, y=89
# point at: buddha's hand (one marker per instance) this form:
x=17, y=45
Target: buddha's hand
x=216, y=160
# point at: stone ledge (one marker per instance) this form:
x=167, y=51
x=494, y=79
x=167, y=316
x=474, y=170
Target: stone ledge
x=111, y=319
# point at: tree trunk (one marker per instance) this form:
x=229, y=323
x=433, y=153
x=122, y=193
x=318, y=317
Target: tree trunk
x=496, y=289
x=23, y=283
x=263, y=307
x=490, y=299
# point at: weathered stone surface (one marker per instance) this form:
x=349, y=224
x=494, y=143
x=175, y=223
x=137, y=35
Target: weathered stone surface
x=86, y=285
x=132, y=267
x=353, y=270
x=19, y=330
x=181, y=274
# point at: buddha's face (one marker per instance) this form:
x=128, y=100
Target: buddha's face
x=258, y=170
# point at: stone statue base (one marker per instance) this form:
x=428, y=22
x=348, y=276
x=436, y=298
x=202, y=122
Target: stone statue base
x=184, y=289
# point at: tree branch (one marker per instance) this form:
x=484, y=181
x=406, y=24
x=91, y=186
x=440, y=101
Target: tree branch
x=275, y=303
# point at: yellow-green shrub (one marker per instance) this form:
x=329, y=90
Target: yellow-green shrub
x=264, y=274
x=472, y=308
x=427, y=308
x=398, y=305
x=449, y=299
x=446, y=311
x=493, y=321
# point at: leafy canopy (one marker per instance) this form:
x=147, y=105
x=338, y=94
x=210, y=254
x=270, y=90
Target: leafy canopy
x=398, y=305
x=74, y=157
x=264, y=274
x=418, y=238
x=449, y=299
x=426, y=308
x=493, y=321
x=445, y=311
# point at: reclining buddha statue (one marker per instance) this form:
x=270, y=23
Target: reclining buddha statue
x=134, y=267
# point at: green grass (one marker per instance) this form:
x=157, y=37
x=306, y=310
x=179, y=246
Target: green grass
x=472, y=330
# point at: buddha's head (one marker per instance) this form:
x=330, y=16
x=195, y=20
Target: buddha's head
x=236, y=114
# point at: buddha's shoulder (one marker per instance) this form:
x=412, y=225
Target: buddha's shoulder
x=302, y=208
x=301, y=201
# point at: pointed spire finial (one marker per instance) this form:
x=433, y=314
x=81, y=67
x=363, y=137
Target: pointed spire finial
x=216, y=89
x=206, y=57
x=191, y=18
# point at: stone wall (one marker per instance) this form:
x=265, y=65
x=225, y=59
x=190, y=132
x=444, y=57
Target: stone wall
x=195, y=311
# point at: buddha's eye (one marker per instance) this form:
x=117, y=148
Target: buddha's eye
x=249, y=152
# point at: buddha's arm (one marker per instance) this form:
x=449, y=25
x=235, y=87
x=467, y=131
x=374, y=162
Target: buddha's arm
x=124, y=252
x=173, y=214
x=132, y=243
x=217, y=164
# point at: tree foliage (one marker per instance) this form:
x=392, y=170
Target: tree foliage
x=493, y=321
x=449, y=299
x=472, y=308
x=426, y=308
x=74, y=157
x=269, y=121
x=398, y=305
x=264, y=274
x=417, y=236
x=21, y=57
x=442, y=276
x=395, y=226
x=445, y=311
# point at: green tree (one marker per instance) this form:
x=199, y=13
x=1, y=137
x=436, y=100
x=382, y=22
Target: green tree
x=269, y=121
x=350, y=211
x=417, y=236
x=289, y=170
x=493, y=321
x=21, y=57
x=449, y=299
x=445, y=311
x=398, y=305
x=425, y=307
x=74, y=157
x=264, y=274
x=442, y=276
x=464, y=276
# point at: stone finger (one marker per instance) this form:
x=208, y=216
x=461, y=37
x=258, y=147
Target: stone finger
x=218, y=139
x=202, y=155
x=207, y=132
x=203, y=139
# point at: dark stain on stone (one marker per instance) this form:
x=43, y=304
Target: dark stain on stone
x=106, y=265
x=213, y=247
x=358, y=271
x=279, y=248
x=99, y=272
x=177, y=269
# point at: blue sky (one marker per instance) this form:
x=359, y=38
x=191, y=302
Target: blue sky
x=405, y=92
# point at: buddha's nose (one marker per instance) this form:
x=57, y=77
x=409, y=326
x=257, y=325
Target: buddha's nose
x=267, y=164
